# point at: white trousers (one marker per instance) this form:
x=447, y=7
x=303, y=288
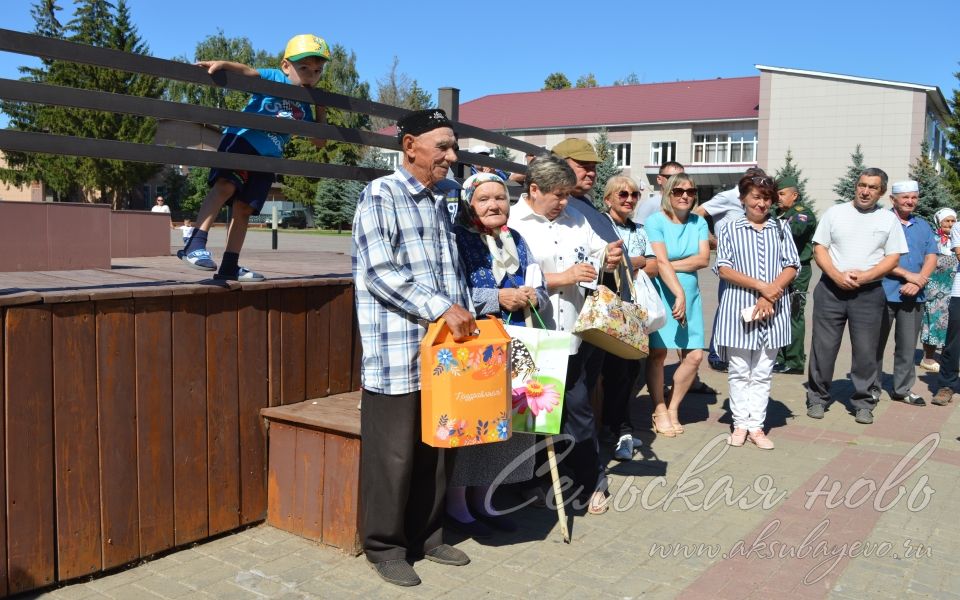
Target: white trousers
x=749, y=374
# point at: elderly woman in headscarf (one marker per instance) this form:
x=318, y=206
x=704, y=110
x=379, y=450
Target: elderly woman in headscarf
x=933, y=331
x=495, y=259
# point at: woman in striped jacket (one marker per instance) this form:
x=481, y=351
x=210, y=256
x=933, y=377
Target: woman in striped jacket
x=758, y=260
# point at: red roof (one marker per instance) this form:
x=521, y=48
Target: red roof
x=681, y=101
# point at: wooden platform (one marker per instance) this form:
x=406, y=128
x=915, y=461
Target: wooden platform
x=132, y=401
x=313, y=487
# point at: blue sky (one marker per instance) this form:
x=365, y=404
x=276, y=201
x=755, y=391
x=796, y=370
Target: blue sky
x=514, y=45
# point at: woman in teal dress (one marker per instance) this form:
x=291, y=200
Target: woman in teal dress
x=679, y=240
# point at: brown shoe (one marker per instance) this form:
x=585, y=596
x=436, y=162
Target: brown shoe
x=943, y=396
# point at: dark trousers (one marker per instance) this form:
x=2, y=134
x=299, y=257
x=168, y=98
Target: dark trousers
x=579, y=422
x=619, y=377
x=950, y=357
x=402, y=480
x=860, y=310
x=794, y=356
x=905, y=318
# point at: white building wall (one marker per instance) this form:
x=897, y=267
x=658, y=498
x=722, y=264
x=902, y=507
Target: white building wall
x=822, y=120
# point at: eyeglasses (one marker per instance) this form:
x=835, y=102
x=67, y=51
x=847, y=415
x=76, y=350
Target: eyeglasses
x=677, y=192
x=764, y=181
x=624, y=194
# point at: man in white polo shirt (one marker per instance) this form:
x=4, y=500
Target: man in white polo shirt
x=855, y=245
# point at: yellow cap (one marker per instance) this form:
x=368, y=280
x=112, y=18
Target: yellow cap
x=304, y=45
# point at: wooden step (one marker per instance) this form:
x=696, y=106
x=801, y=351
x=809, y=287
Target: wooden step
x=313, y=480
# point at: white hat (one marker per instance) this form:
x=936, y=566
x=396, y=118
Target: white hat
x=479, y=149
x=943, y=213
x=902, y=187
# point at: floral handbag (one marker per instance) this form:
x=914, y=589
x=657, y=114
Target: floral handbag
x=613, y=324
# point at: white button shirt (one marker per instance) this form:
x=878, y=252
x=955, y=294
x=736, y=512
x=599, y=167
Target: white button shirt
x=556, y=246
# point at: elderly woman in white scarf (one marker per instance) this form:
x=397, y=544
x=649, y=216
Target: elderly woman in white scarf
x=495, y=259
x=933, y=331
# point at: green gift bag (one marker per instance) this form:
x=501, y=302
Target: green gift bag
x=538, y=373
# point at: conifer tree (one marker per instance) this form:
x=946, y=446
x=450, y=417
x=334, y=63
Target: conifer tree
x=934, y=194
x=846, y=186
x=791, y=170
x=606, y=168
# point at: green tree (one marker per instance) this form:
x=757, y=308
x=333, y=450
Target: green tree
x=631, y=79
x=790, y=169
x=846, y=186
x=336, y=199
x=587, y=81
x=934, y=193
x=341, y=77
x=556, y=81
x=396, y=88
x=953, y=136
x=220, y=47
x=195, y=190
x=503, y=153
x=95, y=23
x=606, y=168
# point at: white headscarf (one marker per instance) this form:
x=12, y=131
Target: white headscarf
x=503, y=250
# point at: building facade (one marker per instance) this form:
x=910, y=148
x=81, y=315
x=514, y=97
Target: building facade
x=717, y=128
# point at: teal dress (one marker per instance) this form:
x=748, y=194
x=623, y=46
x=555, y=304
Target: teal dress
x=681, y=241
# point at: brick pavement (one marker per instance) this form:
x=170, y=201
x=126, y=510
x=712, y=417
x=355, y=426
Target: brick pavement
x=683, y=538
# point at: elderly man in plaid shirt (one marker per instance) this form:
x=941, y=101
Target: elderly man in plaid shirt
x=407, y=274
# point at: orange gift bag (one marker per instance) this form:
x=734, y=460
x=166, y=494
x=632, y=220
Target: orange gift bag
x=465, y=388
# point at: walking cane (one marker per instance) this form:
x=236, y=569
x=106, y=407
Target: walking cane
x=557, y=492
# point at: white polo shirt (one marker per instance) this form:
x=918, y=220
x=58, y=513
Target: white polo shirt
x=859, y=240
x=556, y=246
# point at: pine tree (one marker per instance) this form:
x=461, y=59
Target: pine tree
x=96, y=23
x=934, y=194
x=336, y=199
x=503, y=153
x=790, y=169
x=953, y=136
x=846, y=186
x=606, y=168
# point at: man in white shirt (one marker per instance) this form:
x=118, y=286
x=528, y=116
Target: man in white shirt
x=856, y=244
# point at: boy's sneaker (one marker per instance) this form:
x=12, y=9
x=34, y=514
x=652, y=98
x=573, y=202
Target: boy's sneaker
x=243, y=274
x=624, y=450
x=198, y=259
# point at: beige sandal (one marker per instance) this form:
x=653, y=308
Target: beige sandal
x=599, y=503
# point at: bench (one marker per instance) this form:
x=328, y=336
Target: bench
x=313, y=477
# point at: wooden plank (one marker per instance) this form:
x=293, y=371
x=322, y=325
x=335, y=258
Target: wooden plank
x=308, y=500
x=76, y=447
x=341, y=492
x=334, y=413
x=281, y=478
x=189, y=418
x=341, y=338
x=223, y=449
x=317, y=355
x=31, y=531
x=117, y=389
x=154, y=424
x=3, y=460
x=253, y=396
x=274, y=353
x=293, y=327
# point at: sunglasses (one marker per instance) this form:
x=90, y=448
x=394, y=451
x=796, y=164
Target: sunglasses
x=763, y=181
x=624, y=194
x=677, y=192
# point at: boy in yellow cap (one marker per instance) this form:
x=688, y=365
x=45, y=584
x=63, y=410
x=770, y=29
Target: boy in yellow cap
x=302, y=64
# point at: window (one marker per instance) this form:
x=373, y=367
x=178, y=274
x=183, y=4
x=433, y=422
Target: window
x=621, y=154
x=734, y=147
x=392, y=159
x=661, y=152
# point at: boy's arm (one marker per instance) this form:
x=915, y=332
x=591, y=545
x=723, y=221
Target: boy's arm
x=320, y=113
x=212, y=66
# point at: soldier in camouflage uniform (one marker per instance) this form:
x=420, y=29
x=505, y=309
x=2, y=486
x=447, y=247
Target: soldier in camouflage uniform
x=801, y=223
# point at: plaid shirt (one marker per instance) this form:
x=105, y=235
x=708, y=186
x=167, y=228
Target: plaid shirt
x=407, y=273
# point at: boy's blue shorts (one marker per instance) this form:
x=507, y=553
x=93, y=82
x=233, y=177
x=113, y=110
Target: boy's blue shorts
x=252, y=186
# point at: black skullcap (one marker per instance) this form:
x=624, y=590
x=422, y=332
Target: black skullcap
x=422, y=121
